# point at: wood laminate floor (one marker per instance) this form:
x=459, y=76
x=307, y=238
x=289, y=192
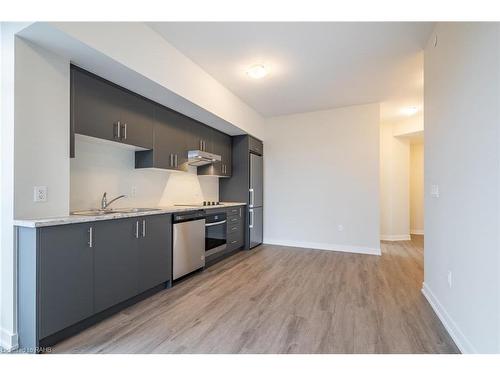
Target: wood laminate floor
x=277, y=299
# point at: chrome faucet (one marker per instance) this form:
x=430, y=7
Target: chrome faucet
x=104, y=201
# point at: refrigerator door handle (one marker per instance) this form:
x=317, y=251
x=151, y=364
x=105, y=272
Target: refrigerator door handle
x=252, y=197
x=251, y=219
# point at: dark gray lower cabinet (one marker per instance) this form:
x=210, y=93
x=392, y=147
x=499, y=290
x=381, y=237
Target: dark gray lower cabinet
x=154, y=251
x=66, y=277
x=69, y=273
x=115, y=262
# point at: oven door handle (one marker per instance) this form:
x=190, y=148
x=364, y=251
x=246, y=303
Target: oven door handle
x=216, y=223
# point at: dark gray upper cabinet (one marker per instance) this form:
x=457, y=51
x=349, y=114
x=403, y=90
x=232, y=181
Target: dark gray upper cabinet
x=136, y=121
x=154, y=250
x=169, y=145
x=221, y=145
x=103, y=110
x=96, y=106
x=115, y=262
x=66, y=272
x=256, y=146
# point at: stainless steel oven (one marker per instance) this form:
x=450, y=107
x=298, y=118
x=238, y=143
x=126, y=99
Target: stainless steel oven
x=215, y=233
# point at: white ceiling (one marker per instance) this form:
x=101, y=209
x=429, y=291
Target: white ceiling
x=312, y=66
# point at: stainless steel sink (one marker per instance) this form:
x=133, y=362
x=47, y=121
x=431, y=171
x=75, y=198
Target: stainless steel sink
x=132, y=210
x=92, y=212
x=113, y=211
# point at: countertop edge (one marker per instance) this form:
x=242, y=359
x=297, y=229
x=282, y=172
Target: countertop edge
x=75, y=219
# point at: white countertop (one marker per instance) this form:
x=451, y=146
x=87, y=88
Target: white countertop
x=73, y=219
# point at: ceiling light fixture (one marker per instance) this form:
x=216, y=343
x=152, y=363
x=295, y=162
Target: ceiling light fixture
x=257, y=71
x=409, y=111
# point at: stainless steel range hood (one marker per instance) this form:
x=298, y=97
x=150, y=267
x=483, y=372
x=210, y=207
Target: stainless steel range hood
x=198, y=158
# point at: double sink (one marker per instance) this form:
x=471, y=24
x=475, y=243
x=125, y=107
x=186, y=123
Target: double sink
x=100, y=212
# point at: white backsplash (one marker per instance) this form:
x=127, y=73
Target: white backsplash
x=100, y=167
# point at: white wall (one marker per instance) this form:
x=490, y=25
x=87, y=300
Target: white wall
x=8, y=338
x=417, y=188
x=462, y=155
x=395, y=198
x=394, y=185
x=41, y=149
x=322, y=170
x=100, y=167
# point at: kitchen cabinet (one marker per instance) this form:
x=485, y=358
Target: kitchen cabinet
x=206, y=135
x=66, y=277
x=103, y=110
x=220, y=145
x=115, y=262
x=235, y=227
x=256, y=146
x=154, y=236
x=170, y=142
x=72, y=274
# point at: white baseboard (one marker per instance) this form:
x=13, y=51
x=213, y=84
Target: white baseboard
x=417, y=231
x=455, y=332
x=325, y=246
x=395, y=237
x=8, y=341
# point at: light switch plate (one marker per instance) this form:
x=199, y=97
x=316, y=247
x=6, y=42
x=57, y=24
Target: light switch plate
x=435, y=191
x=40, y=194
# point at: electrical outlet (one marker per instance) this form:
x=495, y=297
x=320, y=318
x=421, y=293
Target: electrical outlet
x=40, y=194
x=450, y=279
x=133, y=191
x=340, y=228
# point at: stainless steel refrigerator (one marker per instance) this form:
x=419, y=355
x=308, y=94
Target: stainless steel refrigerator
x=256, y=196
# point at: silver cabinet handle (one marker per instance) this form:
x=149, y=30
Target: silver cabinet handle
x=216, y=223
x=252, y=197
x=251, y=219
x=91, y=237
x=118, y=130
x=144, y=228
x=125, y=131
x=137, y=229
x=171, y=160
x=176, y=160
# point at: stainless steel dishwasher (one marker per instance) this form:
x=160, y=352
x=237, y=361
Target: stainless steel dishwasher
x=189, y=242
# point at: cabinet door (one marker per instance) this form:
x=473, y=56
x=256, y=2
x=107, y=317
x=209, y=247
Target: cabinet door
x=154, y=249
x=194, y=134
x=170, y=139
x=96, y=110
x=226, y=154
x=207, y=138
x=137, y=116
x=115, y=262
x=66, y=277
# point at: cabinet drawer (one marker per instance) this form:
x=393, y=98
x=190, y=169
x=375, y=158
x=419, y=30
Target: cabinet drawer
x=233, y=220
x=233, y=228
x=235, y=211
x=235, y=240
